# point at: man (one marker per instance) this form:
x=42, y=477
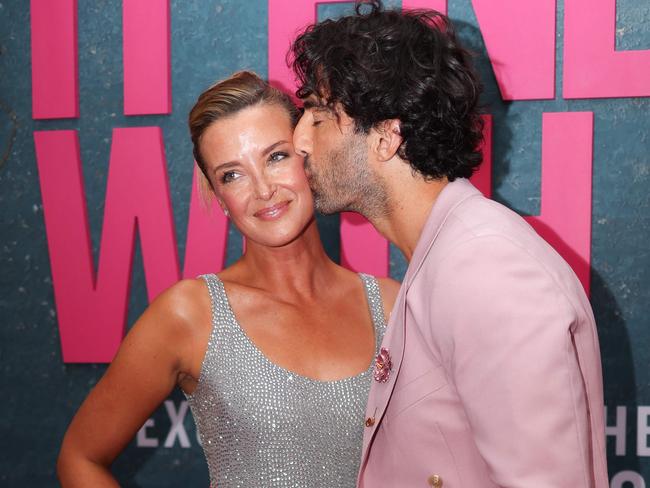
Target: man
x=490, y=372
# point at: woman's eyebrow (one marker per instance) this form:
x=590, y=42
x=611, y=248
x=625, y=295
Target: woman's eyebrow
x=229, y=164
x=232, y=164
x=272, y=147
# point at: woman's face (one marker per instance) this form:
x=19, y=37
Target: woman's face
x=256, y=175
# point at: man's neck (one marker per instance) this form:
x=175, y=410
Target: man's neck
x=411, y=199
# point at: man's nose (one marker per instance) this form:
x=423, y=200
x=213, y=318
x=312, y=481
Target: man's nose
x=301, y=139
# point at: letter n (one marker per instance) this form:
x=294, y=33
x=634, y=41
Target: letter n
x=92, y=309
x=593, y=68
x=520, y=41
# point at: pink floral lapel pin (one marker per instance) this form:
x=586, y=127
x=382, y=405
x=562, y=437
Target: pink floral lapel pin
x=383, y=366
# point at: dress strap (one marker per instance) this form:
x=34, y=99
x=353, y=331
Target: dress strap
x=212, y=283
x=220, y=317
x=376, y=306
x=221, y=313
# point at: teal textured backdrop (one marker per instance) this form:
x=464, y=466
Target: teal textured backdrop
x=210, y=39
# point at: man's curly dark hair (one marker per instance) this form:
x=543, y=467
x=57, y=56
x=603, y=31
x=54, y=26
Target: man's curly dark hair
x=385, y=64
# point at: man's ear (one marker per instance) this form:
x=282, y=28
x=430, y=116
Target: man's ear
x=387, y=139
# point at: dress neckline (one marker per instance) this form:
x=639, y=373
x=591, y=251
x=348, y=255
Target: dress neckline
x=292, y=374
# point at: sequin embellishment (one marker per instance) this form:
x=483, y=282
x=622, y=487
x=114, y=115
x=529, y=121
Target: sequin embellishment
x=261, y=425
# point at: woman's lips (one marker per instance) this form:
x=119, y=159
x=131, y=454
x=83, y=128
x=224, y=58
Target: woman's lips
x=273, y=212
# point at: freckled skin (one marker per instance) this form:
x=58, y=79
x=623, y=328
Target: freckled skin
x=246, y=179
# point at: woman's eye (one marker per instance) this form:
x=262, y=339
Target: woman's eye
x=229, y=176
x=278, y=156
x=315, y=122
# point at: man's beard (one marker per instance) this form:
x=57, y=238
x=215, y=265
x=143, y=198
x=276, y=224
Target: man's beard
x=345, y=182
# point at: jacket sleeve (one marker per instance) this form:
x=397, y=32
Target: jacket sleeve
x=507, y=332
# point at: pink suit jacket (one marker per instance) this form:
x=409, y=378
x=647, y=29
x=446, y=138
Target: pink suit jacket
x=496, y=378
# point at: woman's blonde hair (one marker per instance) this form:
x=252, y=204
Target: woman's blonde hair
x=225, y=98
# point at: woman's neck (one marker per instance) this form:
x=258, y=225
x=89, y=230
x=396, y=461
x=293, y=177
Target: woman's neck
x=300, y=267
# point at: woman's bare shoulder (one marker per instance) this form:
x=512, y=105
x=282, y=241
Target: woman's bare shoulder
x=389, y=288
x=183, y=299
x=179, y=309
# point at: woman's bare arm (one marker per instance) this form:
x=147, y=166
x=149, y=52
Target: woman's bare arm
x=162, y=345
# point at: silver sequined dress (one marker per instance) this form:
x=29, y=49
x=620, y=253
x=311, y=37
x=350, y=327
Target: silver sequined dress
x=263, y=426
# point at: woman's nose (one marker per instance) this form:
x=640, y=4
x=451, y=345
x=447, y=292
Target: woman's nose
x=264, y=188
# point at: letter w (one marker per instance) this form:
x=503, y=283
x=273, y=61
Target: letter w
x=92, y=309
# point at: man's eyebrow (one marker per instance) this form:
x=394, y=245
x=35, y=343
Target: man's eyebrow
x=310, y=103
x=315, y=103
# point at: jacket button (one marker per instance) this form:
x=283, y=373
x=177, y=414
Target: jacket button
x=435, y=481
x=370, y=421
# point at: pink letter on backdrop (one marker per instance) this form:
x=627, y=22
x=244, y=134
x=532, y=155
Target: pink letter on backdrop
x=520, y=40
x=592, y=66
x=207, y=235
x=92, y=309
x=565, y=220
x=482, y=178
x=55, y=91
x=439, y=5
x=147, y=79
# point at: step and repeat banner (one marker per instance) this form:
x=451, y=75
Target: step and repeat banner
x=99, y=209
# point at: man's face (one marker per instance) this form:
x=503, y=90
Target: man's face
x=336, y=161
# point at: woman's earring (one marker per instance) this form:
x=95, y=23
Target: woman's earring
x=225, y=211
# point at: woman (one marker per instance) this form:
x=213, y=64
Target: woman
x=274, y=354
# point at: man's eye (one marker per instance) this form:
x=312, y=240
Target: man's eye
x=316, y=122
x=278, y=156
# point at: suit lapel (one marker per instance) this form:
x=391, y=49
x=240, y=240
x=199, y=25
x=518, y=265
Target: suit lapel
x=394, y=338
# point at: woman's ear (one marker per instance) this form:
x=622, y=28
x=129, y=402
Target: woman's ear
x=388, y=139
x=222, y=205
x=206, y=192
